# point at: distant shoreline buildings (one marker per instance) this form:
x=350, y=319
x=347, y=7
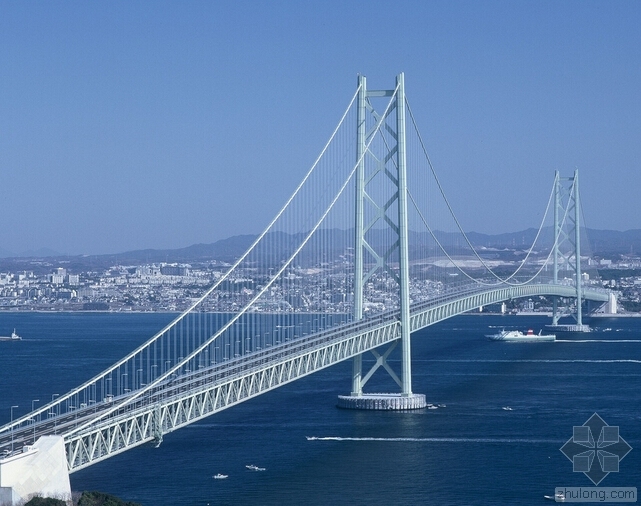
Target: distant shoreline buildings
x=173, y=287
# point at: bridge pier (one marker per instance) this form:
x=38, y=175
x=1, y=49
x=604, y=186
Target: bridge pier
x=382, y=402
x=39, y=470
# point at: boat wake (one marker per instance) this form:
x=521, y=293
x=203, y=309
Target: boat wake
x=432, y=439
x=536, y=361
x=598, y=340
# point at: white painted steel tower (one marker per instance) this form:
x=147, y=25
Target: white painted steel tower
x=373, y=209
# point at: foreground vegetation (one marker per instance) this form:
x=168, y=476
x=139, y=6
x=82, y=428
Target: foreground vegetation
x=84, y=499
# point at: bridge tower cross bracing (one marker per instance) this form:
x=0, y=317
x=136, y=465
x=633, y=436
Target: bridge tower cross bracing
x=572, y=257
x=393, y=166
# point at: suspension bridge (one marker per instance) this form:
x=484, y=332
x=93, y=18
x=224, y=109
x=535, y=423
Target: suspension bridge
x=366, y=251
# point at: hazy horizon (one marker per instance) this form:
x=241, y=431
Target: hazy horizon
x=128, y=126
x=49, y=252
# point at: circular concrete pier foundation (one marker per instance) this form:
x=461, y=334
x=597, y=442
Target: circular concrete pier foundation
x=382, y=402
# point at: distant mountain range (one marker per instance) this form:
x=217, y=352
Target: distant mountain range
x=602, y=242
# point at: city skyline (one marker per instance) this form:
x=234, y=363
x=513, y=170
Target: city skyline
x=125, y=128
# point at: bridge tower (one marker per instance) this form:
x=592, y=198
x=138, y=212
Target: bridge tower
x=569, y=257
x=375, y=208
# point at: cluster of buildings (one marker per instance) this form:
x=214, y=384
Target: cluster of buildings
x=173, y=287
x=629, y=292
x=157, y=287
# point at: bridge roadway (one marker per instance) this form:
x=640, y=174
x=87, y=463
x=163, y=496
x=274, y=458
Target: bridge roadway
x=93, y=433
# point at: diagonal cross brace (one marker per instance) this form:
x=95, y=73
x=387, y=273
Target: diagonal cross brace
x=381, y=360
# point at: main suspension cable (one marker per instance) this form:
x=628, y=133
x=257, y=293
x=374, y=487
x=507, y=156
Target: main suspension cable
x=460, y=228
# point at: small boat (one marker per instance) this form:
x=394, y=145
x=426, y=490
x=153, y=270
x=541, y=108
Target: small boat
x=220, y=476
x=507, y=408
x=12, y=337
x=558, y=497
x=518, y=336
x=252, y=467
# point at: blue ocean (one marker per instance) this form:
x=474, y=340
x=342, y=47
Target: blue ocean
x=503, y=411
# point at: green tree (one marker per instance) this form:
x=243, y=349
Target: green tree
x=45, y=501
x=102, y=499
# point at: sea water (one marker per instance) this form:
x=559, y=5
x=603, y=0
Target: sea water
x=502, y=412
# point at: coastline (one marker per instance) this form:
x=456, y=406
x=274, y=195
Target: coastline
x=549, y=314
x=168, y=311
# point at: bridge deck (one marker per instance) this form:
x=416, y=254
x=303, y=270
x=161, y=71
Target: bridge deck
x=186, y=398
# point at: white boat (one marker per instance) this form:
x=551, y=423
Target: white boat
x=220, y=476
x=558, y=497
x=517, y=335
x=12, y=337
x=252, y=467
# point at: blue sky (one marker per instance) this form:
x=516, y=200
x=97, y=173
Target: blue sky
x=131, y=125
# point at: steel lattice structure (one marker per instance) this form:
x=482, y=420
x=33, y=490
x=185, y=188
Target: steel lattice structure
x=241, y=338
x=201, y=394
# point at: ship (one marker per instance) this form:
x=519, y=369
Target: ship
x=518, y=336
x=12, y=337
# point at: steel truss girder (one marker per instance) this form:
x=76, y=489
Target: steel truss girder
x=149, y=423
x=434, y=313
x=137, y=428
